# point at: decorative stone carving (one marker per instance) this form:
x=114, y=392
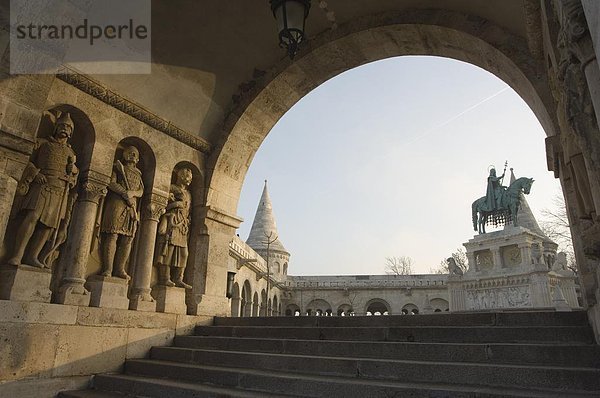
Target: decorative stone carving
x=92, y=191
x=173, y=230
x=46, y=196
x=154, y=209
x=120, y=215
x=99, y=91
x=510, y=297
x=484, y=259
x=575, y=109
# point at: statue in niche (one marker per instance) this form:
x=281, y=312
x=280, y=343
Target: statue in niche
x=47, y=196
x=173, y=230
x=121, y=216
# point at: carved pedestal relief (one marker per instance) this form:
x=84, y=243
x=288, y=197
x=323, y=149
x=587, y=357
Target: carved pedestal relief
x=509, y=297
x=484, y=259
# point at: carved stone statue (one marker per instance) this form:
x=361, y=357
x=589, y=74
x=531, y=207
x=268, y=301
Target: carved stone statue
x=536, y=253
x=120, y=216
x=453, y=268
x=173, y=230
x=45, y=186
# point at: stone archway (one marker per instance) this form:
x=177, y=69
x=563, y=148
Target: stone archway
x=377, y=307
x=423, y=32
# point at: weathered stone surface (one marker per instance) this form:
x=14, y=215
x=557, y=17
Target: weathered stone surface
x=108, y=292
x=8, y=187
x=24, y=283
x=139, y=341
x=139, y=303
x=169, y=299
x=32, y=312
x=87, y=350
x=108, y=317
x=187, y=323
x=42, y=388
x=27, y=350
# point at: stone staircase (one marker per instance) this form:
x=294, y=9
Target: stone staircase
x=509, y=354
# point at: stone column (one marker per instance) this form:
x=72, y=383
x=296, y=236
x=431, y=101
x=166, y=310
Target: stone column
x=540, y=291
x=140, y=298
x=525, y=254
x=472, y=262
x=456, y=293
x=209, y=273
x=497, y=259
x=8, y=188
x=77, y=247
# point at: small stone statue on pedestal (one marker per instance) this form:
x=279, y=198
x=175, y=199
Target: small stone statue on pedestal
x=45, y=189
x=173, y=230
x=120, y=216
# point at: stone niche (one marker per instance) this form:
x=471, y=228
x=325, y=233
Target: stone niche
x=511, y=256
x=484, y=260
x=78, y=155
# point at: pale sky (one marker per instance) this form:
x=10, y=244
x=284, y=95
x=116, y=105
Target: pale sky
x=385, y=160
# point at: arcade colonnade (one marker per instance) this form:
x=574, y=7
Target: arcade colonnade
x=210, y=101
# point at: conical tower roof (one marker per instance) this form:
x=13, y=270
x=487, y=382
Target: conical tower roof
x=525, y=217
x=264, y=226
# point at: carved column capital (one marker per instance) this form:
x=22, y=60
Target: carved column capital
x=92, y=191
x=155, y=207
x=93, y=186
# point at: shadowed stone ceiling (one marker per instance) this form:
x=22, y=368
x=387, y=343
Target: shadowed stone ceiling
x=203, y=51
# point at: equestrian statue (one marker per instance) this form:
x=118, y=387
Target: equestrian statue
x=500, y=204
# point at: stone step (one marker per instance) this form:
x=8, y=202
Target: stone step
x=91, y=394
x=419, y=371
x=578, y=355
x=142, y=387
x=306, y=385
x=440, y=334
x=509, y=318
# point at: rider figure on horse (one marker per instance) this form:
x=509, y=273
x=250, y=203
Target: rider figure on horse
x=494, y=192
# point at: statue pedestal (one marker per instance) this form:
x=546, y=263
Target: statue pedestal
x=170, y=299
x=108, y=292
x=25, y=283
x=142, y=301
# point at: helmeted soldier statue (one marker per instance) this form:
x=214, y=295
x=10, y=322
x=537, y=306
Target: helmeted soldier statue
x=120, y=215
x=48, y=177
x=173, y=231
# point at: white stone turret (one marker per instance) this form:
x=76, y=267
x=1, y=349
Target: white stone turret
x=264, y=229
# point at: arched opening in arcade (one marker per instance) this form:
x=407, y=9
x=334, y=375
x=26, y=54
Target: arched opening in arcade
x=507, y=65
x=424, y=123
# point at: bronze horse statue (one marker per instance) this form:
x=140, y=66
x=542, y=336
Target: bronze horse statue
x=509, y=203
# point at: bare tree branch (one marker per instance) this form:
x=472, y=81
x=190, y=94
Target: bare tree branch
x=459, y=256
x=555, y=224
x=398, y=265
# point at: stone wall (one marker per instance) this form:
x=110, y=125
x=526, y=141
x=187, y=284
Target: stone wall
x=50, y=347
x=362, y=294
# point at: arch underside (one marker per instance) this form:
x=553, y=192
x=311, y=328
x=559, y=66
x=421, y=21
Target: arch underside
x=424, y=32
